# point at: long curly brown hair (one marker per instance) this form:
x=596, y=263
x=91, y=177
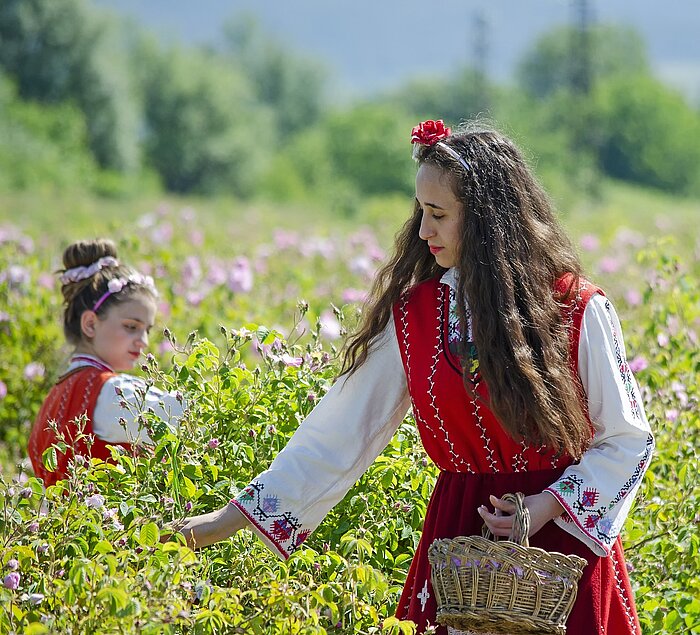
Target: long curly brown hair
x=513, y=250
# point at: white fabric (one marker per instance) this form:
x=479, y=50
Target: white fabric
x=353, y=423
x=622, y=446
x=105, y=418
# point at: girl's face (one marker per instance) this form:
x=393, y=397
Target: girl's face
x=119, y=337
x=442, y=211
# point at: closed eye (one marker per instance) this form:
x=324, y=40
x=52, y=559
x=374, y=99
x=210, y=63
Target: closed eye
x=433, y=214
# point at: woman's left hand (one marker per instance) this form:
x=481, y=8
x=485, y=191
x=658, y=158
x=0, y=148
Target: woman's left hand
x=542, y=507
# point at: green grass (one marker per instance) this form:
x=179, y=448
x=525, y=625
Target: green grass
x=64, y=216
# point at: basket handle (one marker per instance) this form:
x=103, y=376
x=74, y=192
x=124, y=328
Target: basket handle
x=521, y=523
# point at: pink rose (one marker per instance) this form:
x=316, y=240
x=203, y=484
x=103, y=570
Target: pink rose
x=638, y=364
x=11, y=581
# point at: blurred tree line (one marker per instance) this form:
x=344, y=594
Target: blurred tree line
x=91, y=101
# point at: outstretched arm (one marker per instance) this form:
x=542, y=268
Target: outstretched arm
x=200, y=531
x=330, y=450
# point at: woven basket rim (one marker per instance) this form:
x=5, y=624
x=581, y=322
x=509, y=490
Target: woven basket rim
x=501, y=545
x=502, y=582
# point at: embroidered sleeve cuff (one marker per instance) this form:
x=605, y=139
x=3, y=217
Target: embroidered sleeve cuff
x=570, y=523
x=279, y=530
x=259, y=530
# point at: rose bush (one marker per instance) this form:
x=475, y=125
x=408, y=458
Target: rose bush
x=87, y=555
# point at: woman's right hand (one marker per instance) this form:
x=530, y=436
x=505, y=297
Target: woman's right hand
x=200, y=531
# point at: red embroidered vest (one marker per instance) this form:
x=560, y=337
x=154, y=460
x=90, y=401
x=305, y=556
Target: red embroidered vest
x=459, y=433
x=74, y=395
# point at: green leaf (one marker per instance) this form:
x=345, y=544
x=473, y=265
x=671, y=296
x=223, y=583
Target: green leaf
x=50, y=459
x=104, y=546
x=35, y=628
x=261, y=333
x=149, y=535
x=116, y=595
x=112, y=563
x=190, y=488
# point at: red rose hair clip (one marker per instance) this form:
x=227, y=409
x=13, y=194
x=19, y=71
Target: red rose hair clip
x=430, y=133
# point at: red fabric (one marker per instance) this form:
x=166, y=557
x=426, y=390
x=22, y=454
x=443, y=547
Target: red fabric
x=478, y=458
x=604, y=603
x=434, y=378
x=73, y=396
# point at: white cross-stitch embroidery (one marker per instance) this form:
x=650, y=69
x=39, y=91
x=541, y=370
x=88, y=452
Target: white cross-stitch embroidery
x=423, y=596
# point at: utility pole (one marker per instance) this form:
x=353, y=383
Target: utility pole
x=581, y=73
x=583, y=134
x=480, y=56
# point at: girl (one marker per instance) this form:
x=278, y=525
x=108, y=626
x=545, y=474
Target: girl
x=515, y=368
x=109, y=311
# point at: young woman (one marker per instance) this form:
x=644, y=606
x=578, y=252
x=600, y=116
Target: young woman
x=515, y=368
x=109, y=311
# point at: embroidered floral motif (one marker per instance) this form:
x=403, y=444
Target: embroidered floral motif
x=582, y=508
x=566, y=487
x=454, y=332
x=270, y=504
x=303, y=535
x=454, y=338
x=590, y=497
x=246, y=495
x=283, y=528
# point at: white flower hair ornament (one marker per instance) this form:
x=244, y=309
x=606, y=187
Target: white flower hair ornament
x=115, y=285
x=76, y=274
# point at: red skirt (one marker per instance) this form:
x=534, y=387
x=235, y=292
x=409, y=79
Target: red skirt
x=604, y=604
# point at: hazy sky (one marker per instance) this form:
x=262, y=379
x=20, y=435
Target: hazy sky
x=370, y=45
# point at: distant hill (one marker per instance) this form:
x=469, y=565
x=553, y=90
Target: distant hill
x=371, y=45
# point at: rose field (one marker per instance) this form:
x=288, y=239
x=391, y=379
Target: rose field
x=255, y=301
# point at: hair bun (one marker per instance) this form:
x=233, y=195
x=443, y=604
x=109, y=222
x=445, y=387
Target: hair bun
x=84, y=252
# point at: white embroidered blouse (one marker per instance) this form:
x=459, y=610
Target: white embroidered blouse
x=356, y=419
x=108, y=411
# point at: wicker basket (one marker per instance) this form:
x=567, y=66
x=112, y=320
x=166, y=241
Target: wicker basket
x=504, y=586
